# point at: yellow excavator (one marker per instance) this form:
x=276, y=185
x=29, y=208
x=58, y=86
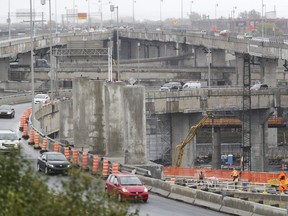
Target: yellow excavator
x=192, y=132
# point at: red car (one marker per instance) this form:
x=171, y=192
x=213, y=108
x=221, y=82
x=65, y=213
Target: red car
x=126, y=186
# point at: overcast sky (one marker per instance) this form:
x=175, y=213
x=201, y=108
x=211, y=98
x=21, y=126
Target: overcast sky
x=145, y=9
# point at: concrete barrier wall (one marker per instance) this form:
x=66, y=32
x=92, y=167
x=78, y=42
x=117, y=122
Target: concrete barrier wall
x=210, y=200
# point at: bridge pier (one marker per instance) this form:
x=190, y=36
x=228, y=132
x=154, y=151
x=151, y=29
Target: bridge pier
x=216, y=143
x=24, y=58
x=218, y=58
x=4, y=69
x=268, y=69
x=259, y=141
x=66, y=120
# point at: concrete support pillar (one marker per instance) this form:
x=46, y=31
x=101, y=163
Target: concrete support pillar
x=24, y=58
x=81, y=110
x=96, y=114
x=216, y=143
x=114, y=119
x=200, y=57
x=218, y=58
x=259, y=142
x=239, y=67
x=153, y=51
x=180, y=127
x=268, y=71
x=4, y=69
x=125, y=50
x=134, y=125
x=272, y=137
x=66, y=122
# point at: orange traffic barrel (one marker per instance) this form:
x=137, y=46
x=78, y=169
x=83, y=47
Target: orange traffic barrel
x=31, y=138
x=25, y=132
x=95, y=164
x=36, y=140
x=115, y=168
x=84, y=161
x=172, y=181
x=75, y=156
x=105, y=171
x=67, y=153
x=44, y=144
x=22, y=122
x=56, y=147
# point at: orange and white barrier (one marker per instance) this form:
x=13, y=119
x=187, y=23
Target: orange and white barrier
x=56, y=147
x=22, y=122
x=115, y=168
x=105, y=171
x=95, y=164
x=75, y=156
x=66, y=152
x=44, y=144
x=36, y=144
x=31, y=138
x=25, y=132
x=84, y=161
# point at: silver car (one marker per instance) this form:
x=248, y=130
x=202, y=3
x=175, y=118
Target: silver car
x=9, y=140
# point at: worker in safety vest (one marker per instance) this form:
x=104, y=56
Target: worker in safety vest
x=235, y=175
x=282, y=178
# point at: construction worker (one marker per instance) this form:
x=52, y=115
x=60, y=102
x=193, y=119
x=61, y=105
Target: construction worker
x=201, y=177
x=235, y=175
x=282, y=178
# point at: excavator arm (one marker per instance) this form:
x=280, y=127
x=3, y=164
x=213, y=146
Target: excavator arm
x=192, y=132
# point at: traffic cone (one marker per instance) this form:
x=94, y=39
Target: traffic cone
x=36, y=139
x=36, y=144
x=105, y=171
x=31, y=138
x=95, y=164
x=84, y=161
x=56, y=147
x=115, y=168
x=25, y=132
x=44, y=144
x=75, y=156
x=67, y=153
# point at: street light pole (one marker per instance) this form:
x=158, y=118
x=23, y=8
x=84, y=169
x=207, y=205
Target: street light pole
x=138, y=45
x=262, y=27
x=112, y=7
x=9, y=21
x=216, y=11
x=133, y=12
x=161, y=13
x=32, y=65
x=181, y=13
x=43, y=2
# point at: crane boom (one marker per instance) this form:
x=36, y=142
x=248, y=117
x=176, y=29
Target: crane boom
x=192, y=132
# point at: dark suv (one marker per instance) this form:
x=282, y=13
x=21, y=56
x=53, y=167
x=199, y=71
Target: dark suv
x=171, y=86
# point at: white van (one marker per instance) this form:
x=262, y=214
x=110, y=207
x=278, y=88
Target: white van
x=192, y=85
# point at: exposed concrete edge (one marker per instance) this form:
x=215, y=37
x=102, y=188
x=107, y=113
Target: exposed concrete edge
x=182, y=194
x=237, y=206
x=266, y=210
x=208, y=200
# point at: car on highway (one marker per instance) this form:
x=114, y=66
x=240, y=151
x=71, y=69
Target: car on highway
x=7, y=111
x=224, y=33
x=259, y=86
x=53, y=162
x=171, y=86
x=9, y=140
x=41, y=98
x=126, y=186
x=192, y=85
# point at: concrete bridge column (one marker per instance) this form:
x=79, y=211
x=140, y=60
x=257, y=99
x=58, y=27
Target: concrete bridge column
x=24, y=58
x=4, y=69
x=135, y=146
x=114, y=118
x=66, y=122
x=125, y=50
x=237, y=80
x=200, y=57
x=181, y=124
x=259, y=142
x=216, y=143
x=154, y=51
x=268, y=71
x=81, y=110
x=218, y=58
